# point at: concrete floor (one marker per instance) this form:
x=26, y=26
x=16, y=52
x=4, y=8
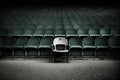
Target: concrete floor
x=43, y=69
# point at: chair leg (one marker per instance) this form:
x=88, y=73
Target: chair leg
x=13, y=52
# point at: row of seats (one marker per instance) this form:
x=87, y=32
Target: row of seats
x=47, y=41
x=61, y=32
x=76, y=44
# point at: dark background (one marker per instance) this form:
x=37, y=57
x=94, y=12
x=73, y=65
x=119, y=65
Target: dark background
x=58, y=2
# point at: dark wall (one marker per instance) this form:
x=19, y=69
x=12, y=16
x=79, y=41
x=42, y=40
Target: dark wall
x=59, y=2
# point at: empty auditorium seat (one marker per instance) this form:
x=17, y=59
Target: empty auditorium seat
x=115, y=31
x=75, y=46
x=32, y=46
x=69, y=27
x=45, y=46
x=49, y=32
x=59, y=32
x=28, y=33
x=50, y=26
x=19, y=46
x=41, y=26
x=6, y=45
x=78, y=26
x=94, y=32
x=71, y=32
x=114, y=44
x=83, y=32
x=39, y=33
x=102, y=48
x=59, y=27
x=16, y=32
x=105, y=32
x=88, y=46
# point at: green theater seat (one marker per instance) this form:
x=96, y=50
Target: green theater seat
x=32, y=46
x=42, y=26
x=88, y=46
x=83, y=32
x=78, y=26
x=94, y=32
x=75, y=42
x=59, y=27
x=33, y=42
x=69, y=27
x=6, y=45
x=39, y=33
x=105, y=32
x=114, y=44
x=59, y=32
x=45, y=42
x=19, y=46
x=71, y=32
x=28, y=33
x=49, y=32
x=115, y=32
x=102, y=48
x=50, y=26
x=75, y=46
x=16, y=32
x=45, y=46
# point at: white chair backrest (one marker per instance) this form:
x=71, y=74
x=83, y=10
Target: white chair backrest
x=60, y=40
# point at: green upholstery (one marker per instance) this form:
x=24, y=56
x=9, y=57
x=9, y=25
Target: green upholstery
x=40, y=27
x=49, y=32
x=101, y=42
x=6, y=46
x=59, y=27
x=20, y=42
x=16, y=32
x=59, y=32
x=19, y=46
x=94, y=32
x=114, y=42
x=88, y=42
x=75, y=42
x=115, y=32
x=88, y=46
x=33, y=42
x=45, y=42
x=105, y=32
x=39, y=33
x=50, y=26
x=83, y=32
x=71, y=32
x=28, y=32
x=69, y=27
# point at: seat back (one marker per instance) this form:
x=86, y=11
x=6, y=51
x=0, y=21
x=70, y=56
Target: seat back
x=47, y=41
x=75, y=41
x=88, y=41
x=101, y=41
x=114, y=41
x=22, y=41
x=59, y=43
x=34, y=41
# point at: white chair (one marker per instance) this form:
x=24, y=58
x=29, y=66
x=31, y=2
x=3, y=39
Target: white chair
x=60, y=46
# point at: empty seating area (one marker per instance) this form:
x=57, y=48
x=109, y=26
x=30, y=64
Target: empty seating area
x=90, y=31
